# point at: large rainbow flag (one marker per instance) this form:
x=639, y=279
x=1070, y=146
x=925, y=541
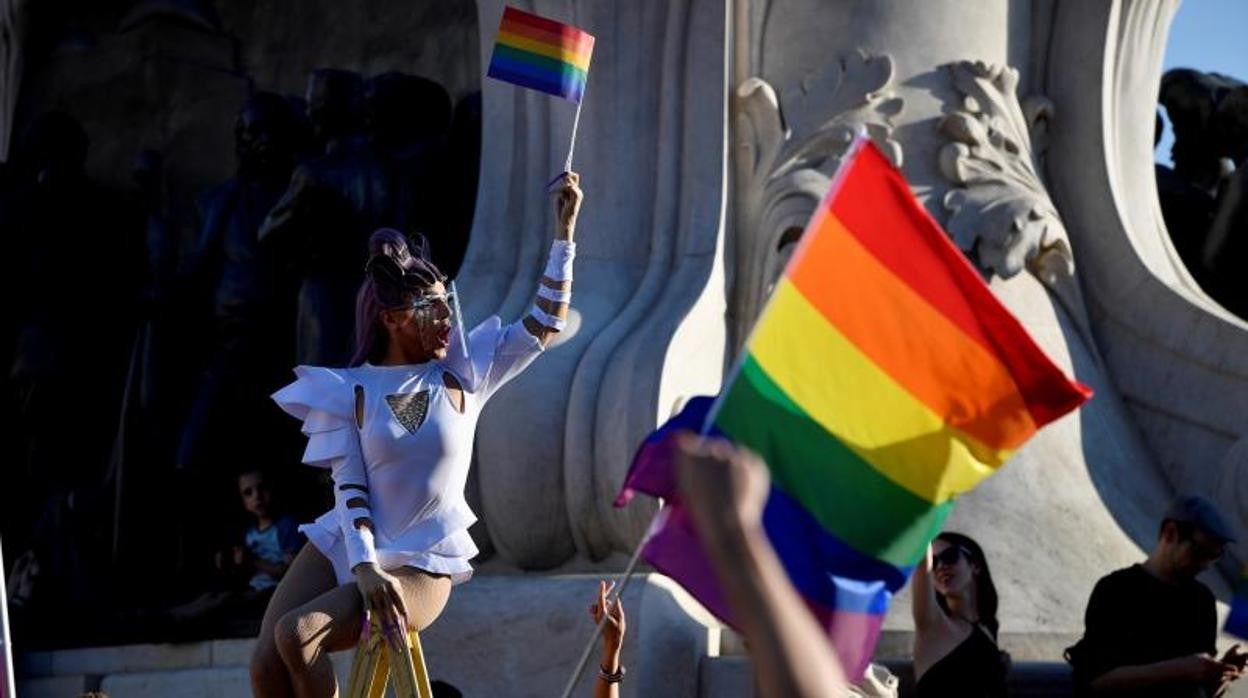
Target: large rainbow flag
x=882, y=380
x=1237, y=621
x=541, y=54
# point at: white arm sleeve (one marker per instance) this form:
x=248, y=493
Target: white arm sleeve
x=351, y=483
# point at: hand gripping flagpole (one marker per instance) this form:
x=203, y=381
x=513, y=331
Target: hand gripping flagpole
x=612, y=598
x=656, y=522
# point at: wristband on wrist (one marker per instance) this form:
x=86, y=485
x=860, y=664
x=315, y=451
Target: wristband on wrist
x=546, y=319
x=607, y=676
x=554, y=295
x=559, y=264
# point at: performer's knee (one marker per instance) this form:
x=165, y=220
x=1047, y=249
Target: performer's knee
x=267, y=668
x=296, y=639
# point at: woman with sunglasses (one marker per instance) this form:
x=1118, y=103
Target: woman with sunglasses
x=396, y=432
x=955, y=622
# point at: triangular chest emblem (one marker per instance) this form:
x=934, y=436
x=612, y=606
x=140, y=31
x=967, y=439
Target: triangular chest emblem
x=410, y=409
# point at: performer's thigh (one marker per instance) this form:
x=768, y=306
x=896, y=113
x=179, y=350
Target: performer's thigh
x=310, y=575
x=425, y=595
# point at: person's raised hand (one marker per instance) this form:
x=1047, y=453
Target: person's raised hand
x=1235, y=657
x=724, y=487
x=613, y=629
x=568, y=196
x=383, y=598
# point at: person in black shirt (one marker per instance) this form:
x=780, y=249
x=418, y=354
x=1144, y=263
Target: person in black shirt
x=954, y=602
x=1150, y=628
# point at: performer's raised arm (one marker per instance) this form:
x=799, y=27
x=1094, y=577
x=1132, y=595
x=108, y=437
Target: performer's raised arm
x=549, y=314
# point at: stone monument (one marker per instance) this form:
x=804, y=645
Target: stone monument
x=709, y=132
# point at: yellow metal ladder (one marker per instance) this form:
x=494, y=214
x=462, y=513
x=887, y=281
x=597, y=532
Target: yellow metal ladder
x=376, y=658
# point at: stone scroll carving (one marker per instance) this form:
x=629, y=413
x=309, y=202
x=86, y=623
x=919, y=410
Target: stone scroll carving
x=999, y=209
x=787, y=149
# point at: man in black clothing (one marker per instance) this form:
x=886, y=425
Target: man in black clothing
x=1151, y=628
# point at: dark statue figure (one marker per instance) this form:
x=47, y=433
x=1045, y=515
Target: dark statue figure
x=1202, y=198
x=333, y=108
x=322, y=223
x=249, y=328
x=69, y=262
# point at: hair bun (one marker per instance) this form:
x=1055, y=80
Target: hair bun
x=390, y=243
x=385, y=270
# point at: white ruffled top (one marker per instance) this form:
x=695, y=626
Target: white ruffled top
x=411, y=452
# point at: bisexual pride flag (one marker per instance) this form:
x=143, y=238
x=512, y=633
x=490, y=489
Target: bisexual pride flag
x=882, y=380
x=541, y=54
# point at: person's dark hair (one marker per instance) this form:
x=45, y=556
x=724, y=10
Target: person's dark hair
x=442, y=689
x=398, y=271
x=985, y=590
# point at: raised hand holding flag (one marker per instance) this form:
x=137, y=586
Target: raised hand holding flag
x=545, y=55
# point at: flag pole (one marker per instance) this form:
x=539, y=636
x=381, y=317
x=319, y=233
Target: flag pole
x=612, y=598
x=860, y=139
x=576, y=120
x=7, y=688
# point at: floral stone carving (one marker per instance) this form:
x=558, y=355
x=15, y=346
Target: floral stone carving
x=784, y=165
x=1000, y=210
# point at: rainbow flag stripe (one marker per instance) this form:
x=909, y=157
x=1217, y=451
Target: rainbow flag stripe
x=541, y=54
x=1237, y=621
x=882, y=380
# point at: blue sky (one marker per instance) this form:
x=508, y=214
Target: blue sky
x=1207, y=35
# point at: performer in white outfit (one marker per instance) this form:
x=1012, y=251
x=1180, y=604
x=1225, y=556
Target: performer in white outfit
x=396, y=431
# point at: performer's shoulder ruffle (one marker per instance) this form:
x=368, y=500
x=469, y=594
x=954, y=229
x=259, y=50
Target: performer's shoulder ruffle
x=324, y=398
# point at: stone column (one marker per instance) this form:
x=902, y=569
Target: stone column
x=646, y=326
x=953, y=93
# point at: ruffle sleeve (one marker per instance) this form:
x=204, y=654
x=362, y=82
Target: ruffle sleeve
x=324, y=399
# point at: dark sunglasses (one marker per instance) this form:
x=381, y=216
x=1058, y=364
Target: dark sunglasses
x=949, y=556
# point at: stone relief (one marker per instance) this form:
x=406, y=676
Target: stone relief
x=999, y=209
x=785, y=164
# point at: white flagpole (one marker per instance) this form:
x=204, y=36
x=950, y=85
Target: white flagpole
x=7, y=688
x=576, y=121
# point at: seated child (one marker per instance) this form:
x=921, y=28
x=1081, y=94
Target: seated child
x=271, y=542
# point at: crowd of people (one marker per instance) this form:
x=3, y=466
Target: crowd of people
x=1151, y=628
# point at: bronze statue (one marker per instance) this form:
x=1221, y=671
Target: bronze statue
x=68, y=327
x=249, y=329
x=335, y=202
x=1201, y=196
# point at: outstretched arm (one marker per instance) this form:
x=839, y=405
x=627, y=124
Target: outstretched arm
x=923, y=605
x=554, y=291
x=725, y=490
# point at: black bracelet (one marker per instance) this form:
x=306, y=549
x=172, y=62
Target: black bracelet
x=608, y=676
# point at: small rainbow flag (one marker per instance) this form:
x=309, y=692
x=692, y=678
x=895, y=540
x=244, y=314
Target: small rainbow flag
x=882, y=380
x=541, y=54
x=1237, y=621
